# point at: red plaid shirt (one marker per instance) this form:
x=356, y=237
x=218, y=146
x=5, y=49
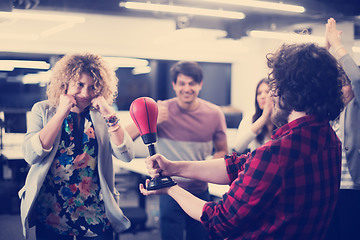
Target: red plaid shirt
x=285, y=189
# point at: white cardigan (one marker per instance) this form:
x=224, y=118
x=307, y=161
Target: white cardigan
x=41, y=160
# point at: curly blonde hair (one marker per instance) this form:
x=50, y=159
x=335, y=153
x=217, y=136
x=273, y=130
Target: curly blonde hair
x=71, y=66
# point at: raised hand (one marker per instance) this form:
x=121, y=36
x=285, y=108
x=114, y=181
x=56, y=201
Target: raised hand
x=268, y=107
x=332, y=34
x=163, y=113
x=66, y=103
x=333, y=39
x=100, y=104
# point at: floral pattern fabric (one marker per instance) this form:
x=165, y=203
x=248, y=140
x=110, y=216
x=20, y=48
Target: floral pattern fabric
x=69, y=201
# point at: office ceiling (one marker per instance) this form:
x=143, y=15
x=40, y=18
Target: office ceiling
x=102, y=26
x=316, y=10
x=113, y=30
x=319, y=7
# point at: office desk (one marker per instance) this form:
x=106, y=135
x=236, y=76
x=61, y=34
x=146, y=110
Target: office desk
x=12, y=146
x=13, y=153
x=137, y=165
x=12, y=164
x=13, y=171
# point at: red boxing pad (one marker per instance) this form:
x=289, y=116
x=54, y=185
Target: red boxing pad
x=144, y=113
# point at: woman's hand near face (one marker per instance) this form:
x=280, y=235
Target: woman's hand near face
x=114, y=128
x=48, y=134
x=102, y=106
x=268, y=107
x=265, y=116
x=65, y=104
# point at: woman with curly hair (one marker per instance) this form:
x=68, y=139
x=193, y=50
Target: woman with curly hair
x=252, y=133
x=70, y=140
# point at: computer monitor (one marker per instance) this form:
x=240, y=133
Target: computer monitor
x=15, y=122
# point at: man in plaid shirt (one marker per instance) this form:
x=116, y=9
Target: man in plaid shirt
x=287, y=188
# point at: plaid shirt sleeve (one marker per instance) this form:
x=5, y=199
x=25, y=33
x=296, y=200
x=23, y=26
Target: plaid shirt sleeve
x=251, y=192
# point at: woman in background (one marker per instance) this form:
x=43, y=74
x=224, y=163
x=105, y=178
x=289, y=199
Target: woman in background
x=254, y=132
x=70, y=140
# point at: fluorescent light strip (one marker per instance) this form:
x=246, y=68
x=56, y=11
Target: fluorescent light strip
x=141, y=70
x=57, y=29
x=9, y=65
x=42, y=17
x=65, y=22
x=182, y=10
x=356, y=49
x=124, y=62
x=19, y=36
x=201, y=32
x=41, y=77
x=287, y=36
x=262, y=4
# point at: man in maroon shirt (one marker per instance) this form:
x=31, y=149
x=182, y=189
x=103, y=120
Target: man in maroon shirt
x=287, y=188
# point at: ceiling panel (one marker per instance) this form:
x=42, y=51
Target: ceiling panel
x=112, y=30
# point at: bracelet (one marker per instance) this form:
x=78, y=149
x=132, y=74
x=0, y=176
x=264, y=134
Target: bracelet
x=338, y=48
x=113, y=128
x=109, y=115
x=111, y=120
x=113, y=123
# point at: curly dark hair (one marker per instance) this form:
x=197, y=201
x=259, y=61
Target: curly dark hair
x=188, y=68
x=306, y=78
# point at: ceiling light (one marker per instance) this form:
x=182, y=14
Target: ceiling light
x=191, y=34
x=141, y=70
x=262, y=4
x=37, y=78
x=124, y=62
x=294, y=37
x=201, y=33
x=57, y=29
x=356, y=49
x=19, y=14
x=9, y=65
x=182, y=10
x=34, y=21
x=4, y=35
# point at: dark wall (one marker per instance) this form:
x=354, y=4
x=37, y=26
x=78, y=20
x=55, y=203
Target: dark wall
x=216, y=82
x=131, y=87
x=16, y=95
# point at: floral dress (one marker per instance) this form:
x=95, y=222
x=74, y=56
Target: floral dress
x=69, y=201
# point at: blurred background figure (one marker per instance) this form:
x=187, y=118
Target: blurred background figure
x=252, y=133
x=346, y=220
x=188, y=128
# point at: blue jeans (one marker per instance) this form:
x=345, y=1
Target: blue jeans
x=345, y=223
x=42, y=233
x=174, y=222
